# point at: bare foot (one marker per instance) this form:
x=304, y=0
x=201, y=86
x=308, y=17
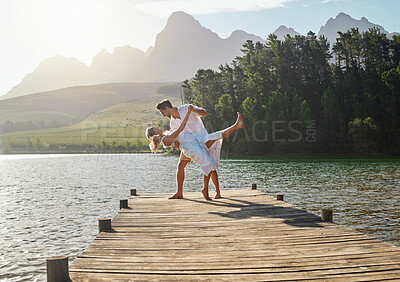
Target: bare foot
x=176, y=196
x=218, y=196
x=239, y=120
x=205, y=195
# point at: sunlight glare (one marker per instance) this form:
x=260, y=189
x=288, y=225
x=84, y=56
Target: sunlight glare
x=76, y=15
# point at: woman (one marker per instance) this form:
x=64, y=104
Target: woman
x=190, y=145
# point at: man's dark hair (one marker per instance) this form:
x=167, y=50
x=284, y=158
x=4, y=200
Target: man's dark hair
x=164, y=104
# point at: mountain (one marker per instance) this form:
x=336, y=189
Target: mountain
x=52, y=73
x=390, y=35
x=343, y=23
x=183, y=47
x=59, y=72
x=180, y=49
x=105, y=66
x=282, y=31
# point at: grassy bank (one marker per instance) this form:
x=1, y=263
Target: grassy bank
x=76, y=140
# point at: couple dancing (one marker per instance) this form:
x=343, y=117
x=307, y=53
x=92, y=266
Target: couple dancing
x=190, y=136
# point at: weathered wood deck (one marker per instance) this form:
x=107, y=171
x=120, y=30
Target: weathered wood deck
x=245, y=236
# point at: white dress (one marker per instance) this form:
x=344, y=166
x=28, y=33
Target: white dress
x=192, y=141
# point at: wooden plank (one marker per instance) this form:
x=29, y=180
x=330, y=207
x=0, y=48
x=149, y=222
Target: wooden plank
x=279, y=257
x=246, y=235
x=278, y=265
x=236, y=277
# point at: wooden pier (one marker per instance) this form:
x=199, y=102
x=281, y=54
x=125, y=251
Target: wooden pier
x=246, y=236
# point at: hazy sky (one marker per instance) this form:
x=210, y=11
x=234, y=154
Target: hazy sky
x=31, y=31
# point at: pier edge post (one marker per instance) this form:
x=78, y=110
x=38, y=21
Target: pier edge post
x=279, y=197
x=123, y=204
x=254, y=186
x=104, y=224
x=57, y=269
x=133, y=192
x=326, y=215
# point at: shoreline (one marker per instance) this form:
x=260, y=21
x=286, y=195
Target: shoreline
x=233, y=156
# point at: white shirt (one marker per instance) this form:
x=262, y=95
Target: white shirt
x=193, y=126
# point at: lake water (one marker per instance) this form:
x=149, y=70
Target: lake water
x=50, y=204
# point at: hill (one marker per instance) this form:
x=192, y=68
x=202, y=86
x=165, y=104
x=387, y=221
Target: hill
x=73, y=103
x=139, y=113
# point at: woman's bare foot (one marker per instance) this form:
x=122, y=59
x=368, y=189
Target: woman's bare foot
x=176, y=196
x=205, y=194
x=239, y=121
x=218, y=195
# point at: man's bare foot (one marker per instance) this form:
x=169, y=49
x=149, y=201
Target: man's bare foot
x=239, y=120
x=217, y=195
x=176, y=196
x=205, y=195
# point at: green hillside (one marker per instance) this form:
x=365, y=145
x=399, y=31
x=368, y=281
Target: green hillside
x=118, y=128
x=139, y=113
x=73, y=103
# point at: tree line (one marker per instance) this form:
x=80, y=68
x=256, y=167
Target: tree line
x=298, y=95
x=10, y=126
x=48, y=145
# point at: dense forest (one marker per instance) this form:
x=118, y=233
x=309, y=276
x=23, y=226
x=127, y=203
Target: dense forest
x=300, y=95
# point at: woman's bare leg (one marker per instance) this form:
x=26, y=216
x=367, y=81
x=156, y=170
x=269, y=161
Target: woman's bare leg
x=214, y=176
x=238, y=124
x=206, y=179
x=209, y=143
x=214, y=179
x=228, y=131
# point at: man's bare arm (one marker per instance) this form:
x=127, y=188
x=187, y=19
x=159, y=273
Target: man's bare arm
x=200, y=112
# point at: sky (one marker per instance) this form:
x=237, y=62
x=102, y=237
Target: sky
x=31, y=31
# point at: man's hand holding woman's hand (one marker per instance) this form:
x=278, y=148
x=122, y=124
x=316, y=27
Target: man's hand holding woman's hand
x=190, y=108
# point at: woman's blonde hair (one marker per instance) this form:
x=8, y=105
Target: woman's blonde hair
x=154, y=138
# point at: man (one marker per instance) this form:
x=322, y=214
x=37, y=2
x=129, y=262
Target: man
x=196, y=127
